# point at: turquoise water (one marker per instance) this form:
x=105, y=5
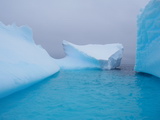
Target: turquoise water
x=87, y=95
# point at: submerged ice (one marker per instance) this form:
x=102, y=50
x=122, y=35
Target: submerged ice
x=22, y=62
x=91, y=56
x=148, y=39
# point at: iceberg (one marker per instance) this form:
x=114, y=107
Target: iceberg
x=148, y=39
x=22, y=62
x=92, y=56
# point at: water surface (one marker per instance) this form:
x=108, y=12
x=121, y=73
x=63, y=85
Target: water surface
x=87, y=95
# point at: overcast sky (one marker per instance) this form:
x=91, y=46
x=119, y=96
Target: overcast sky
x=77, y=21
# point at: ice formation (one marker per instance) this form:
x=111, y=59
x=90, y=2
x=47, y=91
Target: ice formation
x=91, y=56
x=22, y=62
x=148, y=39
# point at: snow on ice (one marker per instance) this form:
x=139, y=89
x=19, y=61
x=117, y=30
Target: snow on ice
x=92, y=56
x=22, y=62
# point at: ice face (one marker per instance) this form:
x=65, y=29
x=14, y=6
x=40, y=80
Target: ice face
x=91, y=56
x=148, y=39
x=22, y=62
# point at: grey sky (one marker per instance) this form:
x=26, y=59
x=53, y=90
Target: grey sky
x=78, y=21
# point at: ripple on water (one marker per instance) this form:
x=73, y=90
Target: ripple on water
x=87, y=95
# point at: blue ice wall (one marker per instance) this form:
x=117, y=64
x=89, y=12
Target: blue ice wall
x=148, y=39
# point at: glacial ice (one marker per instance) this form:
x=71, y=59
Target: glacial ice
x=92, y=56
x=148, y=39
x=22, y=62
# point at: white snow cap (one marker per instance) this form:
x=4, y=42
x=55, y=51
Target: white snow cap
x=106, y=56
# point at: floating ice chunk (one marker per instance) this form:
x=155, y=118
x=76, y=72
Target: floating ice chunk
x=22, y=62
x=91, y=56
x=148, y=39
